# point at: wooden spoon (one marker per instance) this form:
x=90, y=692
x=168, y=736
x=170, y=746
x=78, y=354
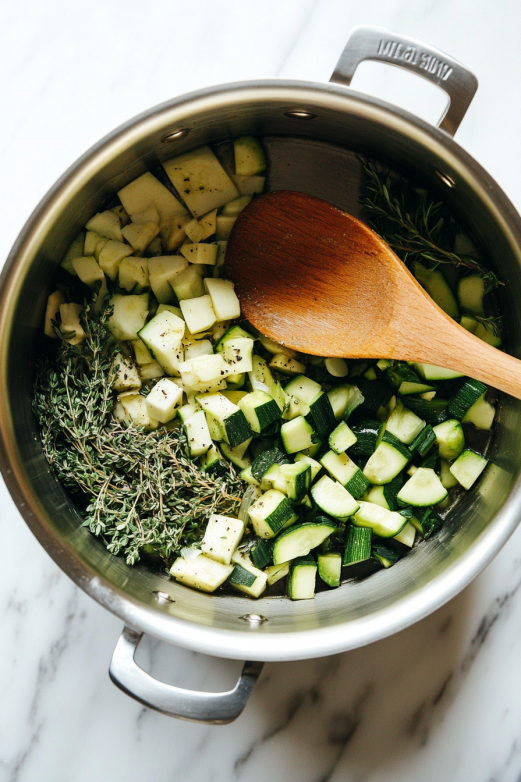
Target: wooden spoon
x=318, y=280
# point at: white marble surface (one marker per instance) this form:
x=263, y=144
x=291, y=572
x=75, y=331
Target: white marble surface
x=440, y=701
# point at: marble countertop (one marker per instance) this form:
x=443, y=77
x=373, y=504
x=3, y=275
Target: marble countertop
x=440, y=700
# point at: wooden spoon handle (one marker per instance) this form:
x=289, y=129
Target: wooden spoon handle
x=449, y=345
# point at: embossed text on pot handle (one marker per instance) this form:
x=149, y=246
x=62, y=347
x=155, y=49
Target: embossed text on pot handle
x=374, y=43
x=213, y=708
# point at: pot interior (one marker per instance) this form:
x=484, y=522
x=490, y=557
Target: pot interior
x=316, y=156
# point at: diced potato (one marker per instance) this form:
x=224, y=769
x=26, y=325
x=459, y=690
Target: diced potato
x=151, y=371
x=70, y=321
x=88, y=270
x=200, y=180
x=224, y=299
x=136, y=410
x=51, y=312
x=106, y=224
x=164, y=399
x=150, y=215
x=140, y=236
x=161, y=270
x=127, y=377
x=198, y=313
x=111, y=256
x=133, y=274
x=141, y=352
x=188, y=284
x=146, y=191
x=201, y=253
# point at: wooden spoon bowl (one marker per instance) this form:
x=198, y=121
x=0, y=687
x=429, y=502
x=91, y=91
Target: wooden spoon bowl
x=316, y=279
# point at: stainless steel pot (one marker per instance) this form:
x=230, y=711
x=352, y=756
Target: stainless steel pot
x=312, y=132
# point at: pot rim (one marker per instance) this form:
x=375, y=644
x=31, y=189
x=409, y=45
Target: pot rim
x=258, y=644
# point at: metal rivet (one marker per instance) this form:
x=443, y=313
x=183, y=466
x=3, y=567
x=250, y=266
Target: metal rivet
x=299, y=114
x=163, y=597
x=176, y=135
x=446, y=179
x=254, y=619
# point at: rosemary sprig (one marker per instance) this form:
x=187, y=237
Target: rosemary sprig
x=413, y=224
x=492, y=321
x=135, y=489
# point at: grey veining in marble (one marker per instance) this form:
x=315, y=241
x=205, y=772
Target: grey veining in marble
x=439, y=701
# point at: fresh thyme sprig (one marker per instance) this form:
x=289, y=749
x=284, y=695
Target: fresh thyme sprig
x=413, y=224
x=135, y=489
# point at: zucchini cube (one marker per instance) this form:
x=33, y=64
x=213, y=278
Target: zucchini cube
x=232, y=425
x=201, y=572
x=302, y=578
x=270, y=513
x=260, y=409
x=297, y=435
x=246, y=577
x=221, y=537
x=197, y=433
x=298, y=479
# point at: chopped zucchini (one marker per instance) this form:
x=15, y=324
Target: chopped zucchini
x=201, y=572
x=233, y=427
x=246, y=577
x=333, y=498
x=221, y=537
x=260, y=410
x=276, y=572
x=298, y=479
x=450, y=439
x=437, y=287
x=302, y=578
x=197, y=434
x=344, y=400
x=465, y=397
x=263, y=462
x=270, y=513
x=299, y=540
x=384, y=523
x=387, y=461
x=358, y=544
x=422, y=489
x=471, y=290
x=481, y=414
x=297, y=435
x=468, y=467
x=329, y=568
x=346, y=472
x=404, y=424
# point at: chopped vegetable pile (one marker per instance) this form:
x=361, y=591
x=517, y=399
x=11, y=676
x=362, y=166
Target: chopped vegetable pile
x=182, y=433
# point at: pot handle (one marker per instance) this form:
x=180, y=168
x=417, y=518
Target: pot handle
x=212, y=708
x=375, y=43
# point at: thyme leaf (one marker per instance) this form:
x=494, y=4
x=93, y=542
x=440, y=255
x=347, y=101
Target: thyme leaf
x=136, y=490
